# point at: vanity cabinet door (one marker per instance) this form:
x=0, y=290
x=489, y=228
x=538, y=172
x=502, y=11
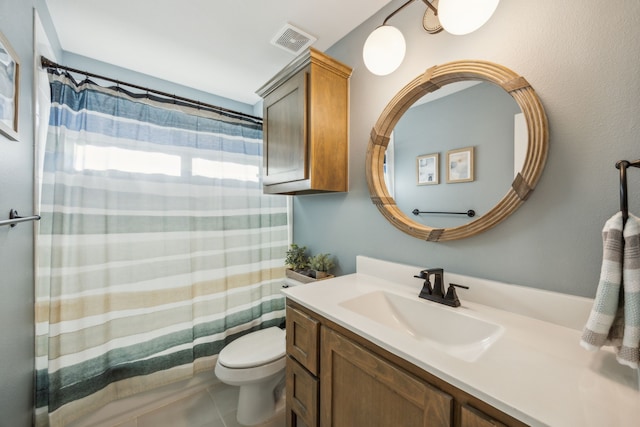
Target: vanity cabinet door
x=302, y=396
x=471, y=417
x=359, y=388
x=302, y=338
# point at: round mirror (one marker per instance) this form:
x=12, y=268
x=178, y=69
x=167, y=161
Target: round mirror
x=434, y=134
x=460, y=162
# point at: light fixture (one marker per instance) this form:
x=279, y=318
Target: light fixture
x=385, y=47
x=384, y=50
x=465, y=16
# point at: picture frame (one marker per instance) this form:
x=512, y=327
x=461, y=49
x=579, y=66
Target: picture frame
x=9, y=89
x=460, y=165
x=428, y=169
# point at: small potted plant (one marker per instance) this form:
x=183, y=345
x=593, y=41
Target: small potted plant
x=298, y=262
x=297, y=258
x=321, y=264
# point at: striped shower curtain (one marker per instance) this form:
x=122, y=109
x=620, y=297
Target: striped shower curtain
x=156, y=245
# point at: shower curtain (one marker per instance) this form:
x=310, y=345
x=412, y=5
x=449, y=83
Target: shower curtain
x=156, y=245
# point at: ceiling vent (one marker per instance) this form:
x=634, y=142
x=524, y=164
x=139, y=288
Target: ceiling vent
x=292, y=39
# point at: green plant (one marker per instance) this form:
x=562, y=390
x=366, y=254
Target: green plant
x=321, y=262
x=297, y=258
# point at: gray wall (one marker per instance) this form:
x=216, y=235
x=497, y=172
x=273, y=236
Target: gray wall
x=16, y=244
x=584, y=64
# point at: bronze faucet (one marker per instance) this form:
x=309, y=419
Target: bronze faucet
x=436, y=292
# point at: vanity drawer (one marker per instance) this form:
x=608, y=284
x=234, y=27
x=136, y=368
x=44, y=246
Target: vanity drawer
x=303, y=334
x=471, y=417
x=302, y=396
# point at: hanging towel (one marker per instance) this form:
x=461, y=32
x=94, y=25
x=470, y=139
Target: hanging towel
x=629, y=352
x=605, y=306
x=615, y=317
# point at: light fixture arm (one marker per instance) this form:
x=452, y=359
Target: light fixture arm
x=429, y=5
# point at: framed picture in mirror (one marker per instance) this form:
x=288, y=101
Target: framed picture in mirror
x=9, y=85
x=460, y=165
x=428, y=169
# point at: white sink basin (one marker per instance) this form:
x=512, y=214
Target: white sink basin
x=444, y=328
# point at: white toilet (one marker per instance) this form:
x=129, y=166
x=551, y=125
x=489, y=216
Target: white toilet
x=256, y=363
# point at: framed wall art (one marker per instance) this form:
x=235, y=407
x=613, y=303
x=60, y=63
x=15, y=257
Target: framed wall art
x=428, y=166
x=460, y=165
x=9, y=89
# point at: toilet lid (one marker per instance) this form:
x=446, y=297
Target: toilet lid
x=254, y=349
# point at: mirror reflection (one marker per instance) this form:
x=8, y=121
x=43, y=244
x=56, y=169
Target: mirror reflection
x=467, y=121
x=467, y=147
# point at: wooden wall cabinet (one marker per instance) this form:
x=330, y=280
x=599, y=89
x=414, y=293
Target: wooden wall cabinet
x=306, y=127
x=352, y=382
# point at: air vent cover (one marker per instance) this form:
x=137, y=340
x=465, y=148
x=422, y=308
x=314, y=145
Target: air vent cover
x=292, y=39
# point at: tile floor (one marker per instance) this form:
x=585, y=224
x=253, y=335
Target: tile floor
x=214, y=406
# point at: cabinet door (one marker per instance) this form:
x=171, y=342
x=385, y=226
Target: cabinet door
x=285, y=132
x=302, y=339
x=358, y=388
x=471, y=417
x=302, y=396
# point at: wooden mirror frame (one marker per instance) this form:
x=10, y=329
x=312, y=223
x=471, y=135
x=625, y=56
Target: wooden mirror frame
x=434, y=78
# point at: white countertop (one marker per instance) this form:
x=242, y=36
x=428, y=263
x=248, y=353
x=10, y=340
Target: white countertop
x=536, y=371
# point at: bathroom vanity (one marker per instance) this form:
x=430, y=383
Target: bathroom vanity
x=363, y=385
x=364, y=350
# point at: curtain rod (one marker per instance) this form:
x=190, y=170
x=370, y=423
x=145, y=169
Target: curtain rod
x=46, y=63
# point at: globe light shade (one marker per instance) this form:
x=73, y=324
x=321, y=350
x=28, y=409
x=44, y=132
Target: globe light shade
x=384, y=50
x=465, y=16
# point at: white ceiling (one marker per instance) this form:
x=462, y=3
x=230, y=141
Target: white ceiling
x=217, y=46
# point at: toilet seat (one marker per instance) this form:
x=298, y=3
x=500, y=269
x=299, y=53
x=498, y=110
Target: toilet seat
x=254, y=349
x=238, y=377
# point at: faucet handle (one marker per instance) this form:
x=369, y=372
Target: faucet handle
x=452, y=295
x=426, y=287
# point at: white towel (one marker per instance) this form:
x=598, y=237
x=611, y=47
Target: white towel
x=615, y=317
x=629, y=352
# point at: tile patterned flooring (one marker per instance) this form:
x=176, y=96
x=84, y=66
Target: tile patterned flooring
x=214, y=406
